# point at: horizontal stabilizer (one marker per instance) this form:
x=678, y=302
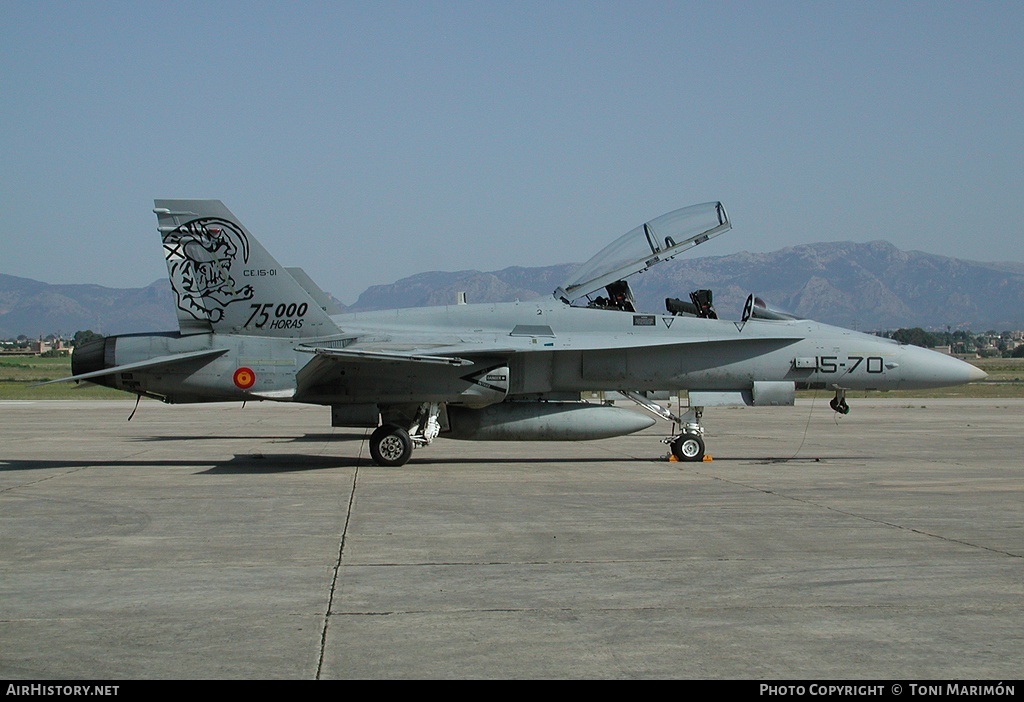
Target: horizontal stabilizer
x=143, y=365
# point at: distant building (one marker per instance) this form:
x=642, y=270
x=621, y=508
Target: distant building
x=40, y=346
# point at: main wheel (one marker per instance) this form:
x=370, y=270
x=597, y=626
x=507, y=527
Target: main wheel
x=688, y=447
x=390, y=445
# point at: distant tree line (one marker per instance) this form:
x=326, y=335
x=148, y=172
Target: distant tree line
x=990, y=343
x=82, y=337
x=58, y=344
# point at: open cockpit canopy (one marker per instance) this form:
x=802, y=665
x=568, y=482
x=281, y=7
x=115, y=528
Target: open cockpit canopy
x=661, y=239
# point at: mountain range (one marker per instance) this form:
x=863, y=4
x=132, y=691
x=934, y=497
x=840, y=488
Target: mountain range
x=35, y=309
x=862, y=286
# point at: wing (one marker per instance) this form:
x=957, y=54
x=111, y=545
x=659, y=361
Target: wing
x=335, y=366
x=379, y=370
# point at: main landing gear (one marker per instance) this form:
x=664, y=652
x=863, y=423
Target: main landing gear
x=391, y=444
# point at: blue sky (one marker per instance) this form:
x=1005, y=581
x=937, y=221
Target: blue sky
x=368, y=141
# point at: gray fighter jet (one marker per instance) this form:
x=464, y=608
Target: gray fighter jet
x=250, y=329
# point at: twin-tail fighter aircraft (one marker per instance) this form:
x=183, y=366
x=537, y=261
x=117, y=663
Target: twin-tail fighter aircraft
x=250, y=329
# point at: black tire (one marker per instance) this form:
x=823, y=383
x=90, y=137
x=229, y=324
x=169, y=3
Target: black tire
x=839, y=406
x=688, y=447
x=390, y=445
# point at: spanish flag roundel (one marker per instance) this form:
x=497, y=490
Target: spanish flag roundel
x=244, y=378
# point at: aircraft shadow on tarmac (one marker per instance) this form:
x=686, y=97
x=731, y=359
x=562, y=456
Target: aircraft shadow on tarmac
x=261, y=463
x=258, y=461
x=240, y=463
x=338, y=436
x=642, y=459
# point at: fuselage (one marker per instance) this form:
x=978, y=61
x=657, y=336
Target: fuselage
x=249, y=329
x=548, y=347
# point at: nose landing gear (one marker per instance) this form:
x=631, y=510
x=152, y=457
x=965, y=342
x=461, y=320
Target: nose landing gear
x=688, y=445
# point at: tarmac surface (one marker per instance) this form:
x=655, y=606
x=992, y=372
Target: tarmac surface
x=253, y=543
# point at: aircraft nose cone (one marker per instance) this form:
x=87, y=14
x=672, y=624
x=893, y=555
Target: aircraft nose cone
x=922, y=368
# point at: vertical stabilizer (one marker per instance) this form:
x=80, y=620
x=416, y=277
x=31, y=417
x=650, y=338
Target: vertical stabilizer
x=225, y=281
x=327, y=304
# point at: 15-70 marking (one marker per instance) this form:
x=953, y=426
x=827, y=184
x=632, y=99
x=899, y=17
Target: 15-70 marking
x=830, y=364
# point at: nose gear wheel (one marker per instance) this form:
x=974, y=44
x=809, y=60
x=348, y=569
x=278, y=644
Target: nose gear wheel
x=688, y=447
